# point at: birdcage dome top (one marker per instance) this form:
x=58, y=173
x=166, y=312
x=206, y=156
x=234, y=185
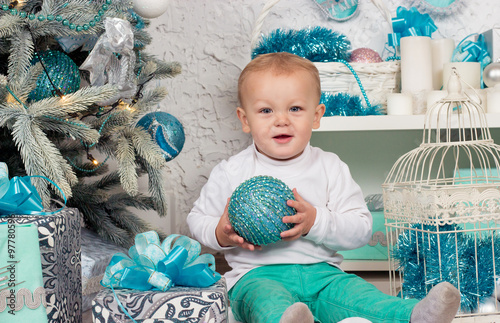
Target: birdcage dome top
x=455, y=169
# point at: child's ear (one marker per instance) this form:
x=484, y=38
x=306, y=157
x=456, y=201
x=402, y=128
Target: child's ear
x=240, y=112
x=318, y=114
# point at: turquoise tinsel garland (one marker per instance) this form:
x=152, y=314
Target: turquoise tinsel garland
x=256, y=209
x=317, y=44
x=422, y=268
x=344, y=104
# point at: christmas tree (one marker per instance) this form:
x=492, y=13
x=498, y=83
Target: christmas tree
x=74, y=81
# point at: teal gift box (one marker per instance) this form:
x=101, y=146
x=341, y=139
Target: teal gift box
x=178, y=304
x=376, y=248
x=59, y=242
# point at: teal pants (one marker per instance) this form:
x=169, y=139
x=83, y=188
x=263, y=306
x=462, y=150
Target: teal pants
x=264, y=293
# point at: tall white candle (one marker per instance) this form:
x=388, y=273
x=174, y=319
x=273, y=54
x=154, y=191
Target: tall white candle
x=416, y=64
x=399, y=104
x=493, y=101
x=442, y=50
x=469, y=72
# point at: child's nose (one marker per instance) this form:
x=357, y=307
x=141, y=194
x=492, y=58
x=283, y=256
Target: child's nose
x=282, y=119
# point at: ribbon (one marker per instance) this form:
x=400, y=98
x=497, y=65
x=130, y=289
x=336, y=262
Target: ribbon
x=19, y=196
x=151, y=265
x=469, y=51
x=410, y=23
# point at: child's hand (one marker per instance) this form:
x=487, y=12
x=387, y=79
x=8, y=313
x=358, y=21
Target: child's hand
x=303, y=219
x=227, y=237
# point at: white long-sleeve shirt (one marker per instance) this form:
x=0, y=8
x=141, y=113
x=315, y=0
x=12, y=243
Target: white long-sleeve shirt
x=343, y=221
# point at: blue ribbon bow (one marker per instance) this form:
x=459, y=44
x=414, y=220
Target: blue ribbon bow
x=469, y=51
x=410, y=23
x=19, y=196
x=176, y=261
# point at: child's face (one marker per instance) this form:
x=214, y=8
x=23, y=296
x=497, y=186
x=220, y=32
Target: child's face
x=280, y=112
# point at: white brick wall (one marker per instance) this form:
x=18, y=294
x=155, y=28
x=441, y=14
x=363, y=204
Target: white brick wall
x=211, y=39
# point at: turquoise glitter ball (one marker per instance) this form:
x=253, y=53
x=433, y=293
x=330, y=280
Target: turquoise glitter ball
x=256, y=209
x=166, y=131
x=61, y=71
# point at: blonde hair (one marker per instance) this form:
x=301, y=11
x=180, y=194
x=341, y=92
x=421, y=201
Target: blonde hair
x=279, y=63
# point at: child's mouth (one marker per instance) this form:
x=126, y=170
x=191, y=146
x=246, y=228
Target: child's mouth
x=282, y=138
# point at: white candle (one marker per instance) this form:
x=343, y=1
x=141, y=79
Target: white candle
x=399, y=104
x=493, y=101
x=416, y=64
x=442, y=50
x=469, y=72
x=434, y=96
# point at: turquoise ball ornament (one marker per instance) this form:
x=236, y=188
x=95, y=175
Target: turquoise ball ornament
x=61, y=71
x=166, y=131
x=257, y=207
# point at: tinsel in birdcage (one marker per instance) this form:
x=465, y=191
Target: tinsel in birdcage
x=442, y=207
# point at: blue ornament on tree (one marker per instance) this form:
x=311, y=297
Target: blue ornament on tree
x=166, y=131
x=60, y=72
x=257, y=207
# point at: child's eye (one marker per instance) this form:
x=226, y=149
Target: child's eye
x=265, y=110
x=295, y=109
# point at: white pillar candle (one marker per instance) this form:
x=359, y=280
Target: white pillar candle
x=470, y=73
x=434, y=96
x=416, y=64
x=399, y=104
x=493, y=101
x=442, y=50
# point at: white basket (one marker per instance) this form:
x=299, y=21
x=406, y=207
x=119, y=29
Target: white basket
x=378, y=79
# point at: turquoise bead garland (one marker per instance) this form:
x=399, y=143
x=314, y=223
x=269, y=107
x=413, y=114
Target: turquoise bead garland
x=257, y=207
x=65, y=22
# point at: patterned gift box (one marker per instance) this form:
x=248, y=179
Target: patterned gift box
x=178, y=304
x=376, y=248
x=96, y=254
x=59, y=236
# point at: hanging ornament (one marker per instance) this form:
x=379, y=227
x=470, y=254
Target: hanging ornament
x=60, y=72
x=257, y=207
x=150, y=8
x=112, y=60
x=339, y=10
x=491, y=74
x=166, y=131
x=364, y=55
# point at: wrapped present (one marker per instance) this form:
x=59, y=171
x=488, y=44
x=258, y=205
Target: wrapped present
x=178, y=304
x=59, y=237
x=492, y=39
x=376, y=248
x=96, y=254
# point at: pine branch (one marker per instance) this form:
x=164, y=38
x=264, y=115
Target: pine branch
x=76, y=129
x=126, y=161
x=21, y=53
x=72, y=102
x=41, y=157
x=128, y=221
x=151, y=99
x=24, y=86
x=147, y=149
x=9, y=25
x=156, y=187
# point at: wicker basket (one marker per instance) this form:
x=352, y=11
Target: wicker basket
x=377, y=79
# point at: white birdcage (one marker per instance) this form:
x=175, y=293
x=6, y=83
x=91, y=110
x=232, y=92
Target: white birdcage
x=442, y=209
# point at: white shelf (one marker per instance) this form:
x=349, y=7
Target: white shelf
x=385, y=122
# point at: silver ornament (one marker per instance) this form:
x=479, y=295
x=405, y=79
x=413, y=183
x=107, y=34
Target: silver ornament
x=488, y=305
x=491, y=74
